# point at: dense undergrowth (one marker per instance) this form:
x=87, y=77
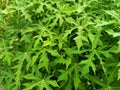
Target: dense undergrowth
x=60, y=44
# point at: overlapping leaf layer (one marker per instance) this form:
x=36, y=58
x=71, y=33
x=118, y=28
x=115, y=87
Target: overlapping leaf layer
x=60, y=44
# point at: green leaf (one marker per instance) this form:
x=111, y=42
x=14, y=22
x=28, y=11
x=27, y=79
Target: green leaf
x=53, y=83
x=71, y=21
x=63, y=75
x=114, y=14
x=76, y=42
x=8, y=55
x=76, y=77
x=66, y=33
x=44, y=61
x=69, y=84
x=96, y=40
x=96, y=80
x=79, y=38
x=114, y=34
x=53, y=52
x=45, y=85
x=46, y=43
x=108, y=88
x=119, y=74
x=30, y=77
x=91, y=37
x=68, y=62
x=29, y=86
x=85, y=70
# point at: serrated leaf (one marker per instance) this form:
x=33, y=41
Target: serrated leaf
x=34, y=59
x=60, y=45
x=60, y=60
x=44, y=61
x=93, y=67
x=78, y=39
x=63, y=76
x=30, y=77
x=66, y=33
x=40, y=9
x=103, y=23
x=85, y=70
x=68, y=10
x=46, y=43
x=91, y=37
x=114, y=34
x=60, y=18
x=68, y=62
x=96, y=80
x=44, y=84
x=53, y=52
x=53, y=83
x=71, y=20
x=96, y=40
x=114, y=14
x=29, y=86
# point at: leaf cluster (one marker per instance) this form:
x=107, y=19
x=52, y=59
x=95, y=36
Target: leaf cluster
x=60, y=44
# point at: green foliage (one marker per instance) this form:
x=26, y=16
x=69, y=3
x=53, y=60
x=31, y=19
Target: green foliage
x=60, y=44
